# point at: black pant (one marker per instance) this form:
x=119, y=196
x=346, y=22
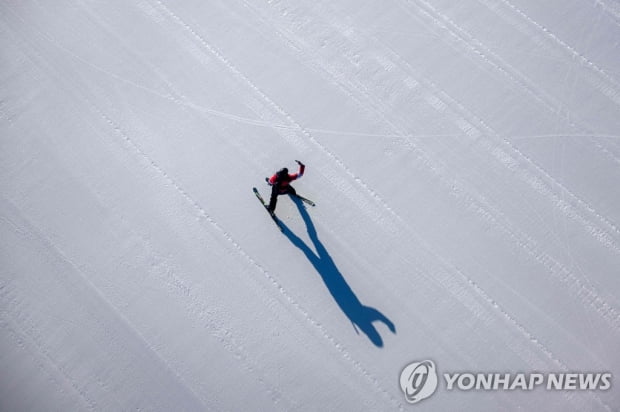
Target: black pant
x=275, y=191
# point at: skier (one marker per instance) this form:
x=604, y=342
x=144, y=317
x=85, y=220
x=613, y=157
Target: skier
x=280, y=184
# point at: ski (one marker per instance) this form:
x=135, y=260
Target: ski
x=262, y=201
x=305, y=200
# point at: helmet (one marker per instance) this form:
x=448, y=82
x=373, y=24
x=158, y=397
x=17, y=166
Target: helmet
x=283, y=172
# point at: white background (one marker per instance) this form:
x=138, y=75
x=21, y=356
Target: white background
x=464, y=158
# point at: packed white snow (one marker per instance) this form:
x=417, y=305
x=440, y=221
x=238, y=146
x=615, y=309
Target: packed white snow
x=464, y=158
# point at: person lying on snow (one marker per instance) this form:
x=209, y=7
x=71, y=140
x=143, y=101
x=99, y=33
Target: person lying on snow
x=280, y=184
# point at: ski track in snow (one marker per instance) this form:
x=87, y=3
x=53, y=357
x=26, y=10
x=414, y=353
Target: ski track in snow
x=598, y=78
x=475, y=47
x=601, y=80
x=30, y=341
x=547, y=183
x=613, y=9
x=12, y=307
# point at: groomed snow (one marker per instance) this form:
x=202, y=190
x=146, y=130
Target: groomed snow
x=464, y=158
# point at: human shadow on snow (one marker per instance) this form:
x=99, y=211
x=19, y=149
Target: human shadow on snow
x=361, y=316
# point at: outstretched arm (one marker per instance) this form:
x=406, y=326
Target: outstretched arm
x=300, y=173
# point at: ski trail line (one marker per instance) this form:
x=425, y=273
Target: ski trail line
x=27, y=340
x=53, y=252
x=596, y=77
x=459, y=292
x=486, y=55
x=613, y=10
x=471, y=44
x=599, y=78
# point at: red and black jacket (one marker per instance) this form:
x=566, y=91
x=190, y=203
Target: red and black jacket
x=282, y=181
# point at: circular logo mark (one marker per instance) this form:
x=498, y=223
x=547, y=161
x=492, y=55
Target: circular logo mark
x=418, y=380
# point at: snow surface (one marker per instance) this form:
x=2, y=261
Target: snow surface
x=464, y=158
